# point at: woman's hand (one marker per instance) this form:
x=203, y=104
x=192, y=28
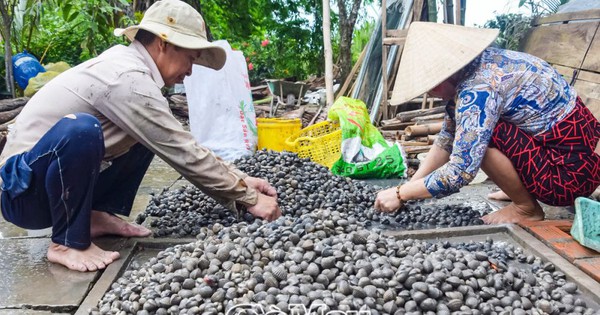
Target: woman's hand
x=387, y=201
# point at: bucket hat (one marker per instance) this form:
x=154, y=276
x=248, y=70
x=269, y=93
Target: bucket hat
x=433, y=52
x=178, y=23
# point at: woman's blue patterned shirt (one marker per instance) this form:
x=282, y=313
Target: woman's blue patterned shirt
x=499, y=84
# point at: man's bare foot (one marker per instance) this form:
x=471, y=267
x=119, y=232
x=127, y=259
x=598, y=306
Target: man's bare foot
x=499, y=195
x=107, y=224
x=90, y=259
x=513, y=214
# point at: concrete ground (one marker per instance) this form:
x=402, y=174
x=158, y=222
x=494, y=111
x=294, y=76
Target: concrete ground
x=31, y=285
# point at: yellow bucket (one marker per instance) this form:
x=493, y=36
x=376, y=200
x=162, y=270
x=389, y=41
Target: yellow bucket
x=320, y=142
x=272, y=132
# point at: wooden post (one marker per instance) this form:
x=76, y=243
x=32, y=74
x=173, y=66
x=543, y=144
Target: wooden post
x=384, y=52
x=328, y=52
x=445, y=11
x=458, y=14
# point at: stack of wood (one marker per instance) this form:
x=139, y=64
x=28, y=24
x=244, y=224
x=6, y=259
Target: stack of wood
x=415, y=130
x=9, y=109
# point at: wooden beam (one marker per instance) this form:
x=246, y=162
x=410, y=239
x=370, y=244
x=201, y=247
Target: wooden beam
x=328, y=53
x=567, y=17
x=350, y=78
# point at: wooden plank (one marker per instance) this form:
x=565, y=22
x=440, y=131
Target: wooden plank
x=566, y=72
x=592, y=58
x=588, y=88
x=589, y=77
x=569, y=16
x=396, y=33
x=562, y=44
x=594, y=106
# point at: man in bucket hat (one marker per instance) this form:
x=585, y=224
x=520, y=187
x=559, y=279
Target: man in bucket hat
x=509, y=113
x=81, y=146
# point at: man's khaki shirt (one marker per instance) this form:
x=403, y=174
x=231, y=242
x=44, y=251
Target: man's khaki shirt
x=122, y=88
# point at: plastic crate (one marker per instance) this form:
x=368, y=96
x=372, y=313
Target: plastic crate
x=586, y=225
x=273, y=132
x=320, y=143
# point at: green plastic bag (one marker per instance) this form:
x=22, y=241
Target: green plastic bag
x=365, y=153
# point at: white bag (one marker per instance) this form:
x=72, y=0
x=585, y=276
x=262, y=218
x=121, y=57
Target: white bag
x=222, y=116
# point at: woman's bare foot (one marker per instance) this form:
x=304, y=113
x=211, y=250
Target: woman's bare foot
x=107, y=224
x=90, y=259
x=499, y=195
x=513, y=214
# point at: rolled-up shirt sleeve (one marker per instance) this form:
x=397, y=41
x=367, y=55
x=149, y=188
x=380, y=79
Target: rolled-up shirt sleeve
x=135, y=104
x=446, y=136
x=476, y=116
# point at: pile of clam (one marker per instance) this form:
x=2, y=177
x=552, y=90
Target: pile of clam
x=302, y=187
x=326, y=261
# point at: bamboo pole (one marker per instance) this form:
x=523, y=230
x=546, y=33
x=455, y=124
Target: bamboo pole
x=423, y=130
x=408, y=115
x=328, y=52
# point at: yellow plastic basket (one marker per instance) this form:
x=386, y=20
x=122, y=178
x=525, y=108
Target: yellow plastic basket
x=320, y=142
x=272, y=132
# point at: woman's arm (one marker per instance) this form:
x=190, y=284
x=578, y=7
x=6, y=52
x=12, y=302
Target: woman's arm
x=436, y=157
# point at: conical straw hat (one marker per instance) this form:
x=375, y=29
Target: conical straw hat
x=434, y=52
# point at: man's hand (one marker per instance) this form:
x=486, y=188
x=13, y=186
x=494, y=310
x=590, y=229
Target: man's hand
x=387, y=201
x=266, y=208
x=261, y=186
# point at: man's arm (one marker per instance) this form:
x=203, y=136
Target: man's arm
x=143, y=113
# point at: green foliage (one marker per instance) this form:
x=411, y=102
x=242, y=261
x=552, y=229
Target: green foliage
x=70, y=31
x=513, y=28
x=74, y=31
x=295, y=48
x=361, y=38
x=94, y=20
x=542, y=7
